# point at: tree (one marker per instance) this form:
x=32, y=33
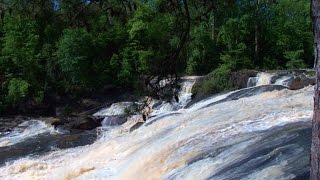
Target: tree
x=75, y=59
x=315, y=146
x=257, y=32
x=59, y=47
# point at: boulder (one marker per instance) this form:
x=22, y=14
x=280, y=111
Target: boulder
x=82, y=122
x=113, y=120
x=8, y=123
x=240, y=79
x=136, y=126
x=52, y=120
x=44, y=143
x=293, y=79
x=301, y=81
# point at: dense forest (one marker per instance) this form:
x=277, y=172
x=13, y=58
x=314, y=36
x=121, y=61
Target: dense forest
x=77, y=47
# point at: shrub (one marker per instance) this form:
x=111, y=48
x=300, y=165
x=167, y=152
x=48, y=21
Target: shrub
x=17, y=90
x=215, y=82
x=295, y=59
x=74, y=59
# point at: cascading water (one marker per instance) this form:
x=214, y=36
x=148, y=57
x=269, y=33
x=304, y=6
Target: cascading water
x=185, y=92
x=26, y=130
x=284, y=80
x=119, y=108
x=114, y=114
x=263, y=136
x=184, y=97
x=264, y=79
x=292, y=79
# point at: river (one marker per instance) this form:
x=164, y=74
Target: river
x=261, y=132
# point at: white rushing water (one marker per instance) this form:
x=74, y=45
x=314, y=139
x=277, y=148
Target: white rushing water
x=26, y=130
x=184, y=96
x=294, y=79
x=185, y=92
x=118, y=108
x=258, y=137
x=264, y=78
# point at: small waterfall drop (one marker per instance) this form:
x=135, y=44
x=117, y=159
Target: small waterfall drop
x=185, y=92
x=118, y=108
x=184, y=97
x=112, y=113
x=284, y=80
x=252, y=81
x=264, y=78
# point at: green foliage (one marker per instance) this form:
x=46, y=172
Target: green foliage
x=139, y=25
x=18, y=90
x=81, y=47
x=21, y=61
x=202, y=51
x=269, y=63
x=289, y=29
x=20, y=46
x=236, y=58
x=144, y=61
x=234, y=31
x=75, y=58
x=126, y=74
x=216, y=81
x=295, y=59
x=131, y=62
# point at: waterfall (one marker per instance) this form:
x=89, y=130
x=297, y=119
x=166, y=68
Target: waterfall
x=185, y=92
x=261, y=79
x=263, y=136
x=284, y=80
x=252, y=81
x=184, y=97
x=118, y=108
x=264, y=78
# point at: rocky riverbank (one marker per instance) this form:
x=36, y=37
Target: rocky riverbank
x=292, y=79
x=33, y=137
x=80, y=115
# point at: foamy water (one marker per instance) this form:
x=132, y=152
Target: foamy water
x=26, y=130
x=184, y=97
x=264, y=78
x=251, y=138
x=118, y=108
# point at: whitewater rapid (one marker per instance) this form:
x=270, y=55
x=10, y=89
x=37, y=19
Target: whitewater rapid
x=264, y=136
x=25, y=130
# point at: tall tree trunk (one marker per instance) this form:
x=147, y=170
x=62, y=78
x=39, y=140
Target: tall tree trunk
x=315, y=147
x=212, y=27
x=257, y=33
